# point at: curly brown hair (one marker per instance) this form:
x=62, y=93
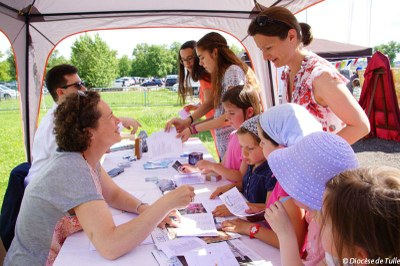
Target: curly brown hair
x=73, y=118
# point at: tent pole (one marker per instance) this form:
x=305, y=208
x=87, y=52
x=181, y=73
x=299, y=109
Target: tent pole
x=271, y=84
x=27, y=127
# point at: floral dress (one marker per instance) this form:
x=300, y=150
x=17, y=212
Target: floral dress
x=312, y=67
x=69, y=224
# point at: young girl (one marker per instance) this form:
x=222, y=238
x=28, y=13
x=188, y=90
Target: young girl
x=309, y=80
x=226, y=71
x=239, y=104
x=280, y=126
x=361, y=217
x=302, y=171
x=257, y=181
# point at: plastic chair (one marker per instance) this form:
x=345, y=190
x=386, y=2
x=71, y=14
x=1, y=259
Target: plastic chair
x=12, y=203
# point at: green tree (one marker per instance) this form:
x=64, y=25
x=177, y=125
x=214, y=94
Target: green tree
x=174, y=49
x=55, y=59
x=12, y=67
x=97, y=63
x=152, y=60
x=5, y=71
x=125, y=66
x=390, y=49
x=236, y=50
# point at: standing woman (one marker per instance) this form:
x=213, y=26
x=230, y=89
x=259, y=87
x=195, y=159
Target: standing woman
x=226, y=71
x=189, y=61
x=308, y=79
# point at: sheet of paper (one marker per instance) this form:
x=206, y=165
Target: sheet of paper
x=236, y=203
x=245, y=255
x=180, y=246
x=163, y=260
x=189, y=179
x=197, y=224
x=164, y=144
x=214, y=254
x=160, y=236
x=183, y=113
x=121, y=219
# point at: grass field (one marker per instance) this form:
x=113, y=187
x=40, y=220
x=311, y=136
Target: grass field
x=152, y=118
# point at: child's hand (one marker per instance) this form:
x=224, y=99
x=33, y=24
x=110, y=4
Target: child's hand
x=221, y=190
x=237, y=225
x=188, y=168
x=221, y=211
x=278, y=219
x=178, y=123
x=205, y=165
x=254, y=209
x=184, y=135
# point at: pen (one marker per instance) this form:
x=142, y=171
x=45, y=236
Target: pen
x=282, y=200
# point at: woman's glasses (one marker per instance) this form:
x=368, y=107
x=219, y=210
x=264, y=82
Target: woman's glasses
x=187, y=59
x=263, y=20
x=78, y=85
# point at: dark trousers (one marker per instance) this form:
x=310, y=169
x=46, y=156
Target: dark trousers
x=12, y=203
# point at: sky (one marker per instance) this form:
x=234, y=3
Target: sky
x=361, y=22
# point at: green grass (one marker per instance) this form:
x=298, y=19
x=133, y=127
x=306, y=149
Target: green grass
x=152, y=118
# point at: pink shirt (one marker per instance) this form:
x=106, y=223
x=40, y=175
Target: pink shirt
x=233, y=154
x=276, y=194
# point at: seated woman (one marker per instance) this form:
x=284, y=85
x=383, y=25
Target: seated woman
x=70, y=194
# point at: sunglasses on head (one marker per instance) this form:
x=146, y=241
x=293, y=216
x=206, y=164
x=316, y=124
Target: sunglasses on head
x=78, y=85
x=263, y=20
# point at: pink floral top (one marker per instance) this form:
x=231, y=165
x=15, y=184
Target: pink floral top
x=313, y=66
x=69, y=224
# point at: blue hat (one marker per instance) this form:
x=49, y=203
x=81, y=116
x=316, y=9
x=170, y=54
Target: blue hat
x=288, y=123
x=304, y=168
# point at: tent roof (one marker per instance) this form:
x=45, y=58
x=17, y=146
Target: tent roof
x=333, y=51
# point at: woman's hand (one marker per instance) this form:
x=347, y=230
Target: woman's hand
x=184, y=135
x=237, y=225
x=278, y=219
x=180, y=197
x=179, y=124
x=221, y=211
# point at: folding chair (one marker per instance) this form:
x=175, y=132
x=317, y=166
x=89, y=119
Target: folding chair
x=12, y=203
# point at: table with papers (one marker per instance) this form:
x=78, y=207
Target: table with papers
x=78, y=250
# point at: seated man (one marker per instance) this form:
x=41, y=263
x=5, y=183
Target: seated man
x=61, y=81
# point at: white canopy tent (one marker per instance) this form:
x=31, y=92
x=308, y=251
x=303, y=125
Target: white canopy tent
x=35, y=27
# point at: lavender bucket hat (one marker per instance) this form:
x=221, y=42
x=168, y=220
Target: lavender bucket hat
x=304, y=168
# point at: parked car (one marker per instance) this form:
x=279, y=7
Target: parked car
x=170, y=82
x=7, y=93
x=124, y=82
x=153, y=82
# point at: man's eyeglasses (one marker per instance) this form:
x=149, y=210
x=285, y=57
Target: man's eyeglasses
x=187, y=59
x=78, y=85
x=263, y=20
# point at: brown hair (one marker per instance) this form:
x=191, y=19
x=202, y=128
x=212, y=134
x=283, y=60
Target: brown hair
x=198, y=73
x=243, y=98
x=277, y=22
x=225, y=58
x=266, y=136
x=364, y=207
x=73, y=118
x=242, y=131
x=55, y=78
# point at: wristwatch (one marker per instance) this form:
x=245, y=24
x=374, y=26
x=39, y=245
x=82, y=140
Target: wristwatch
x=254, y=230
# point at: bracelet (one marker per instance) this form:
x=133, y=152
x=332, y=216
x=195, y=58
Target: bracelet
x=193, y=129
x=138, y=206
x=191, y=118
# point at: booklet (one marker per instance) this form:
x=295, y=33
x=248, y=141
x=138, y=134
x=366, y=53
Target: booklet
x=236, y=203
x=157, y=164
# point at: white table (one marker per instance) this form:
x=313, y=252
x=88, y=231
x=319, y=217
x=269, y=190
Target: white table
x=76, y=249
